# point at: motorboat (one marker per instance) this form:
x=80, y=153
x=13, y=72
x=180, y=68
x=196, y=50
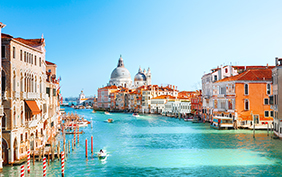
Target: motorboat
x=107, y=113
x=189, y=119
x=110, y=120
x=102, y=155
x=135, y=115
x=222, y=123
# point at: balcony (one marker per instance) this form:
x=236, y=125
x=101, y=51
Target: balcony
x=221, y=95
x=32, y=123
x=17, y=95
x=24, y=95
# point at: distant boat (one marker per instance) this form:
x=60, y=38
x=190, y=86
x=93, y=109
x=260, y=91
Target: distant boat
x=93, y=111
x=107, y=113
x=110, y=120
x=135, y=115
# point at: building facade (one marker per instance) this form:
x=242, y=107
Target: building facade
x=24, y=96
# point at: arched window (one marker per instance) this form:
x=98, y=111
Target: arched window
x=3, y=82
x=15, y=118
x=4, y=122
x=14, y=81
x=246, y=88
x=247, y=106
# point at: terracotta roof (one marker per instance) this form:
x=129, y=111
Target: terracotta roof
x=49, y=63
x=165, y=97
x=110, y=87
x=253, y=67
x=31, y=42
x=3, y=35
x=251, y=75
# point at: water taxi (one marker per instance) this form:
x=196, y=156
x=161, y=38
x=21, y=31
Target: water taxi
x=222, y=122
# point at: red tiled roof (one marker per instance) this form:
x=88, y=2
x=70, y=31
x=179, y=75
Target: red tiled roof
x=165, y=97
x=253, y=67
x=30, y=42
x=3, y=35
x=49, y=63
x=251, y=75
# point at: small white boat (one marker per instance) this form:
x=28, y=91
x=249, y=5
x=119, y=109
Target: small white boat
x=135, y=115
x=107, y=113
x=102, y=155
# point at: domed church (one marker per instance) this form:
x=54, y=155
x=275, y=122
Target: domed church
x=121, y=76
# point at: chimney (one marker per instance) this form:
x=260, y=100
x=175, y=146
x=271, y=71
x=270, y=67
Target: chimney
x=276, y=61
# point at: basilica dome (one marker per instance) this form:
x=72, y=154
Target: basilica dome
x=140, y=77
x=120, y=75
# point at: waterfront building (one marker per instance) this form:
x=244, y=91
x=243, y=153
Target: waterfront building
x=1, y=107
x=104, y=100
x=176, y=106
x=24, y=96
x=245, y=97
x=196, y=103
x=50, y=126
x=215, y=75
x=275, y=98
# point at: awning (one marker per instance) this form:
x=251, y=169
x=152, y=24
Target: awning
x=33, y=107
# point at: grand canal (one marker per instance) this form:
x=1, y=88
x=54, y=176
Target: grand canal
x=160, y=146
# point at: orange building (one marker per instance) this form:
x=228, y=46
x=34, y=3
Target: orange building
x=245, y=97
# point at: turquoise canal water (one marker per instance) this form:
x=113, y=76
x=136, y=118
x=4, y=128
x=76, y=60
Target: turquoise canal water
x=160, y=146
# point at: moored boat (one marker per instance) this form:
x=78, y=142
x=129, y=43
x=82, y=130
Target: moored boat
x=222, y=122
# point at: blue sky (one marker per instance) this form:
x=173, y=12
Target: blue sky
x=179, y=40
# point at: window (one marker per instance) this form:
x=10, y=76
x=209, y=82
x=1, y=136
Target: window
x=24, y=56
x=21, y=55
x=54, y=92
x=49, y=70
x=3, y=51
x=14, y=52
x=31, y=58
x=21, y=137
x=35, y=60
x=247, y=106
x=48, y=91
x=39, y=61
x=271, y=113
x=268, y=89
x=215, y=77
x=226, y=70
x=266, y=113
x=246, y=87
x=266, y=101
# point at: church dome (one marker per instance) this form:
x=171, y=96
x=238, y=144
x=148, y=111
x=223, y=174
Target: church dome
x=120, y=73
x=140, y=77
